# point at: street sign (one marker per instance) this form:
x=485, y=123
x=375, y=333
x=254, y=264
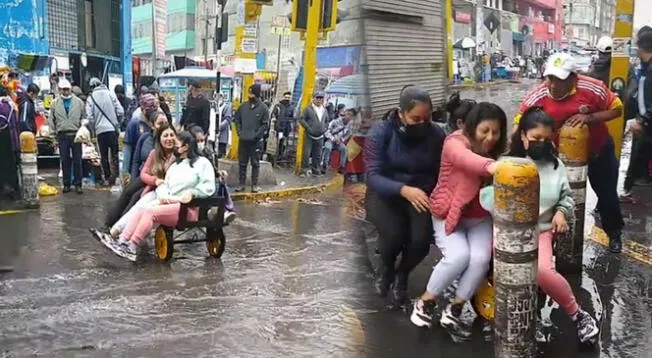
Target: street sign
x=251, y=30
x=621, y=47
x=617, y=84
x=249, y=45
x=491, y=22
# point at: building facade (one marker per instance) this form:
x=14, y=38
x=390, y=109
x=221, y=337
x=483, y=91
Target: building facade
x=24, y=30
x=588, y=20
x=515, y=27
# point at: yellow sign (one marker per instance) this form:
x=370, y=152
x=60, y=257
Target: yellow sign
x=47, y=101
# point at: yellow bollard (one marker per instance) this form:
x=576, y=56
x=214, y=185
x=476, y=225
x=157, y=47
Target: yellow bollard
x=29, y=170
x=516, y=212
x=574, y=152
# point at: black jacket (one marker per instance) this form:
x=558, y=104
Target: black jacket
x=252, y=120
x=27, y=113
x=600, y=69
x=284, y=114
x=197, y=112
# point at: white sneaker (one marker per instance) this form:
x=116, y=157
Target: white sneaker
x=229, y=216
x=422, y=313
x=458, y=331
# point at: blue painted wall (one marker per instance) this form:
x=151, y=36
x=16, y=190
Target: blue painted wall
x=22, y=29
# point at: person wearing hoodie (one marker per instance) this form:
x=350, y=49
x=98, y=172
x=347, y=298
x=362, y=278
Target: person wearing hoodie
x=251, y=122
x=135, y=128
x=198, y=108
x=27, y=108
x=104, y=112
x=284, y=114
x=314, y=120
x=65, y=119
x=9, y=145
x=145, y=143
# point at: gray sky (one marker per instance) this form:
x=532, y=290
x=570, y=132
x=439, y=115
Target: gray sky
x=642, y=13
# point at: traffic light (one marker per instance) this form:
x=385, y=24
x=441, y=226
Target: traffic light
x=329, y=15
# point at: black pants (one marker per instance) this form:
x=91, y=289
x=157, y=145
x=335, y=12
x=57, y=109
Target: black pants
x=108, y=142
x=71, y=159
x=221, y=150
x=8, y=163
x=248, y=151
x=312, y=149
x=638, y=160
x=603, y=175
x=401, y=230
x=129, y=196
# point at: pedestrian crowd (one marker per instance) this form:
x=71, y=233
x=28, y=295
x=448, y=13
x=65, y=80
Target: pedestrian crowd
x=425, y=179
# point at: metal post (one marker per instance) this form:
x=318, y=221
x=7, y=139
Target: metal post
x=449, y=36
x=29, y=170
x=516, y=212
x=278, y=66
x=309, y=70
x=574, y=152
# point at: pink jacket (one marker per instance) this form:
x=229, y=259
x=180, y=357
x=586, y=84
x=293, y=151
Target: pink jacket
x=146, y=172
x=460, y=178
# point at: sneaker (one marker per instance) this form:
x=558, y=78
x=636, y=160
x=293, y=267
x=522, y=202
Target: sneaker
x=66, y=189
x=587, y=328
x=239, y=189
x=540, y=334
x=450, y=321
x=229, y=216
x=78, y=190
x=627, y=198
x=256, y=189
x=422, y=313
x=128, y=247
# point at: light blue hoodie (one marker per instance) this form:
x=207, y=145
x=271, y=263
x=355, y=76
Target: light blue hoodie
x=554, y=194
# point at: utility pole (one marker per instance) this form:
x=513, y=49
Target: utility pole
x=206, y=31
x=479, y=35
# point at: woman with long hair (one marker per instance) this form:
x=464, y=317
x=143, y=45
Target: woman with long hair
x=152, y=174
x=533, y=139
x=401, y=156
x=463, y=229
x=146, y=142
x=457, y=109
x=190, y=176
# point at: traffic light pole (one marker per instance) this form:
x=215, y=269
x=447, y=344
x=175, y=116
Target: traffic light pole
x=449, y=38
x=619, y=71
x=309, y=70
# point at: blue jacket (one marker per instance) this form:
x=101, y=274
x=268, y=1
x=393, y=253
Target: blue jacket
x=391, y=160
x=139, y=156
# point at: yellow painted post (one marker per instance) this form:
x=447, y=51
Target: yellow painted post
x=619, y=71
x=449, y=37
x=309, y=70
x=516, y=213
x=574, y=152
x=29, y=170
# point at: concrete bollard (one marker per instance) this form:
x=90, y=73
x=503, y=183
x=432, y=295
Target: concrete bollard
x=29, y=170
x=574, y=152
x=516, y=211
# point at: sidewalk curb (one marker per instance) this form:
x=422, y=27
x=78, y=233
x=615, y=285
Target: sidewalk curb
x=333, y=184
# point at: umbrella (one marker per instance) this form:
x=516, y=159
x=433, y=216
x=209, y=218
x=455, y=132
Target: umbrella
x=465, y=43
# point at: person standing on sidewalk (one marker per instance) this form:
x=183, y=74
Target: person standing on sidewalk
x=314, y=119
x=576, y=100
x=251, y=122
x=224, y=128
x=65, y=119
x=104, y=113
x=27, y=108
x=198, y=109
x=284, y=114
x=9, y=146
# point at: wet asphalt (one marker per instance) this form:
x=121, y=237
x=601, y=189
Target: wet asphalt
x=295, y=280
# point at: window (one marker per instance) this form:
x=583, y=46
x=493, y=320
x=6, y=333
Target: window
x=89, y=23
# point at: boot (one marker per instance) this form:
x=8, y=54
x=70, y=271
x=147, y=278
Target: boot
x=615, y=241
x=399, y=289
x=384, y=277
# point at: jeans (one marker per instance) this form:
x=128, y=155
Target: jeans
x=402, y=230
x=221, y=150
x=312, y=149
x=638, y=160
x=128, y=198
x=71, y=159
x=108, y=142
x=603, y=176
x=127, y=150
x=466, y=253
x=326, y=154
x=248, y=151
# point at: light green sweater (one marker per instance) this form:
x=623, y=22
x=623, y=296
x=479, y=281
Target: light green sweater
x=554, y=194
x=199, y=179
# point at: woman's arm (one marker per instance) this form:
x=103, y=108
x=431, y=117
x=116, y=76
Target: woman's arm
x=206, y=185
x=565, y=203
x=146, y=173
x=374, y=157
x=456, y=151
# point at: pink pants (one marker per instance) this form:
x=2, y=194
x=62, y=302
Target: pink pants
x=143, y=220
x=550, y=281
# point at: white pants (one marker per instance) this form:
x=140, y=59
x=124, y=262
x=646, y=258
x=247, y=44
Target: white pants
x=144, y=201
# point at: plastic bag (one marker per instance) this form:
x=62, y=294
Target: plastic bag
x=45, y=189
x=83, y=135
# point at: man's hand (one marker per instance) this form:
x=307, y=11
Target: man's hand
x=579, y=119
x=559, y=223
x=416, y=197
x=636, y=128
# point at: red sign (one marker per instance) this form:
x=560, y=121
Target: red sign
x=463, y=17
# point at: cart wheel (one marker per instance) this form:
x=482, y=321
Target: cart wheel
x=164, y=244
x=215, y=242
x=484, y=301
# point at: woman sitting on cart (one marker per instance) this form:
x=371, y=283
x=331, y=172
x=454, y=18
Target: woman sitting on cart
x=190, y=176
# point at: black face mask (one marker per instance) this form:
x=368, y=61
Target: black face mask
x=540, y=150
x=176, y=153
x=415, y=131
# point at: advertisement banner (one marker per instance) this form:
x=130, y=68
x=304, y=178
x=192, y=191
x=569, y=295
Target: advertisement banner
x=160, y=27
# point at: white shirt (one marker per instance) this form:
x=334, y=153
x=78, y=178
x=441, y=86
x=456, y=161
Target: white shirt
x=320, y=110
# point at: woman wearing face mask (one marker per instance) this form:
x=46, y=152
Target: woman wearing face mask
x=457, y=110
x=204, y=149
x=463, y=229
x=401, y=157
x=190, y=176
x=533, y=139
x=152, y=174
x=145, y=143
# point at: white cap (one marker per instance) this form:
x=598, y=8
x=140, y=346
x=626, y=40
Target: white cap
x=605, y=44
x=64, y=83
x=560, y=65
